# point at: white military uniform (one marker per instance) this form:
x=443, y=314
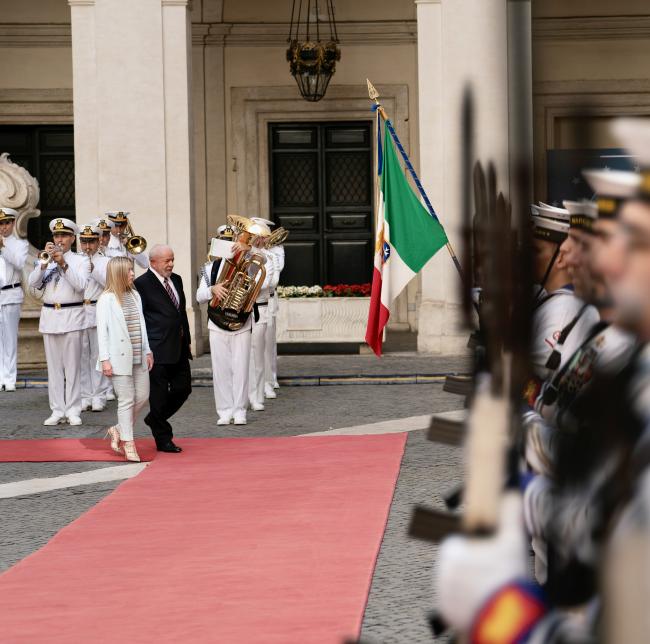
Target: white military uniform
x=62, y=328
x=12, y=259
x=230, y=351
x=556, y=311
x=271, y=354
x=258, y=339
x=115, y=248
x=105, y=224
x=93, y=382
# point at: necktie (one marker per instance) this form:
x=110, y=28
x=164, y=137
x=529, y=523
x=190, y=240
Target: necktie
x=168, y=288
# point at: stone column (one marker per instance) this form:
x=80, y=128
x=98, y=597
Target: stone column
x=464, y=42
x=133, y=126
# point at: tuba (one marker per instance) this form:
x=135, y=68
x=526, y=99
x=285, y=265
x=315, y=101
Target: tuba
x=243, y=276
x=135, y=244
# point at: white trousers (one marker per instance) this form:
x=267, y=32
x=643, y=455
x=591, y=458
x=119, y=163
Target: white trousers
x=63, y=354
x=132, y=394
x=271, y=352
x=230, y=354
x=93, y=382
x=257, y=362
x=9, y=319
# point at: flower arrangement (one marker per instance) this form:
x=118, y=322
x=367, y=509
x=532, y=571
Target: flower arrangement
x=348, y=290
x=299, y=291
x=340, y=290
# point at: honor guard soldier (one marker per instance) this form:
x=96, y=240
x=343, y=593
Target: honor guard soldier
x=93, y=383
x=230, y=343
x=555, y=304
x=60, y=279
x=120, y=234
x=13, y=254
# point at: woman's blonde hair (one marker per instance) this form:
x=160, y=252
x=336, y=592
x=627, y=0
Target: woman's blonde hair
x=117, y=276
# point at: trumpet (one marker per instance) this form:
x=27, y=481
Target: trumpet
x=277, y=237
x=135, y=244
x=45, y=257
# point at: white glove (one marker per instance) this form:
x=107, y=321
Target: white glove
x=471, y=569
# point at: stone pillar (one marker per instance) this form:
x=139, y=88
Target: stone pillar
x=464, y=42
x=133, y=124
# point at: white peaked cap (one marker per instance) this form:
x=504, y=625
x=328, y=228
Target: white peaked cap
x=89, y=229
x=63, y=225
x=261, y=220
x=584, y=207
x=95, y=222
x=620, y=184
x=9, y=211
x=550, y=212
x=550, y=224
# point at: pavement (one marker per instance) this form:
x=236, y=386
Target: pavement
x=400, y=595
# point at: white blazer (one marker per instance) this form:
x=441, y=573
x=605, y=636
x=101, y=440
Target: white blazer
x=113, y=336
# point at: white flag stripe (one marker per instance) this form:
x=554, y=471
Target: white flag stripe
x=395, y=274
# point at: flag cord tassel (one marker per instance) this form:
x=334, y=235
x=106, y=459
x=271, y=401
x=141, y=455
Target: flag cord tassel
x=409, y=166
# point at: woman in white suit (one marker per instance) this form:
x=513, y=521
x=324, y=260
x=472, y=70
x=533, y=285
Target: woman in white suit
x=124, y=353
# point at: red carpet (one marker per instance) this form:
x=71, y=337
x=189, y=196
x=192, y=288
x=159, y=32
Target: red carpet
x=70, y=450
x=269, y=540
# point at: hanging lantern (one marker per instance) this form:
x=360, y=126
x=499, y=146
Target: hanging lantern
x=312, y=62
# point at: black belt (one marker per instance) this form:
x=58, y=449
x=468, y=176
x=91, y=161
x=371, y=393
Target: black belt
x=63, y=306
x=6, y=288
x=88, y=302
x=262, y=303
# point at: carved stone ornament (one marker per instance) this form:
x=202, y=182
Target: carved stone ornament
x=18, y=190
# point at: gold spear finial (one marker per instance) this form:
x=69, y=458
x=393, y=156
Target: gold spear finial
x=372, y=91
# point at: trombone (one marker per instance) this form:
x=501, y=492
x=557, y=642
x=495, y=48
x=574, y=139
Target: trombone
x=135, y=244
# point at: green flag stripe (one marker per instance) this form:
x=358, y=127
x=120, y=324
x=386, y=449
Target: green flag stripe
x=414, y=233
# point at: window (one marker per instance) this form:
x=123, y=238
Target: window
x=47, y=153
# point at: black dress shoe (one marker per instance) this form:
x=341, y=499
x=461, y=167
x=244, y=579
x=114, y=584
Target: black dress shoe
x=169, y=447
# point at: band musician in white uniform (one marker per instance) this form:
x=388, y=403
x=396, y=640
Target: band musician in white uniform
x=61, y=281
x=275, y=258
x=230, y=350
x=93, y=382
x=13, y=254
x=256, y=374
x=116, y=247
x=105, y=226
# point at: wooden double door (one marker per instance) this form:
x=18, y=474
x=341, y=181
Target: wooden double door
x=322, y=193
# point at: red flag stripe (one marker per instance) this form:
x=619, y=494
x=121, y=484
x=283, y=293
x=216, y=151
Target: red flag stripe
x=377, y=315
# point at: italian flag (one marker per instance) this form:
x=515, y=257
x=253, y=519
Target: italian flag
x=407, y=238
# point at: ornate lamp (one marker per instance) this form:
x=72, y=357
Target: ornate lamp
x=312, y=62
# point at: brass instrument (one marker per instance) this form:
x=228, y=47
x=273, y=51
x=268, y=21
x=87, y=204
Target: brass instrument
x=135, y=244
x=243, y=276
x=45, y=257
x=277, y=237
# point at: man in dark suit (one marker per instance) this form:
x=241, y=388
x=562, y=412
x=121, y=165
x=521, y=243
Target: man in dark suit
x=163, y=303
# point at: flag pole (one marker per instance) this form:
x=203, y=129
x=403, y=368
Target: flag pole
x=374, y=95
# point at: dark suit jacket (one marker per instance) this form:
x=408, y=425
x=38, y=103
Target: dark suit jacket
x=167, y=327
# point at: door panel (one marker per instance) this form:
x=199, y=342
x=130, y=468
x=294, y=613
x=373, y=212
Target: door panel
x=348, y=261
x=301, y=263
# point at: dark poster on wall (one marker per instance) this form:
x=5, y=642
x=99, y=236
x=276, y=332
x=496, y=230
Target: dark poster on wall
x=564, y=171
